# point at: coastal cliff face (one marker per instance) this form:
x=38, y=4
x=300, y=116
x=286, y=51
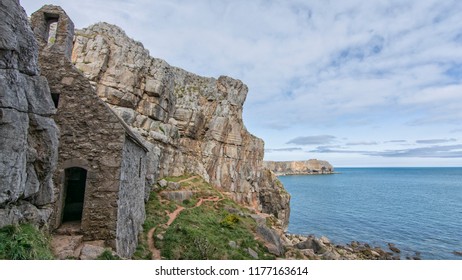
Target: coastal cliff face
x=190, y=124
x=312, y=166
x=28, y=134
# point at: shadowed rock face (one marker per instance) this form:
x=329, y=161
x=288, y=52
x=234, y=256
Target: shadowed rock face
x=191, y=124
x=28, y=134
x=312, y=166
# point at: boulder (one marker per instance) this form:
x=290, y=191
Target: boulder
x=312, y=243
x=252, y=253
x=331, y=255
x=91, y=252
x=393, y=248
x=324, y=240
x=163, y=183
x=272, y=239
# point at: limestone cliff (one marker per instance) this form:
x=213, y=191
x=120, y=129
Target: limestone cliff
x=312, y=166
x=28, y=134
x=191, y=124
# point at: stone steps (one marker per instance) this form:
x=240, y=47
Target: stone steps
x=67, y=243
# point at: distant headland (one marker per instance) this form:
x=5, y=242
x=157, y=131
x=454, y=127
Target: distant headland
x=307, y=167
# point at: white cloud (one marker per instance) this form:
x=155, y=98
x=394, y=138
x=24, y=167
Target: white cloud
x=311, y=66
x=312, y=140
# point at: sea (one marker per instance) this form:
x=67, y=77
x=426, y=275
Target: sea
x=417, y=209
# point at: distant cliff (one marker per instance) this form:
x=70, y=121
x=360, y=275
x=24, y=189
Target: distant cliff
x=312, y=166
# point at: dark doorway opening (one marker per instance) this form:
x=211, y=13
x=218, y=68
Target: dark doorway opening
x=55, y=98
x=75, y=181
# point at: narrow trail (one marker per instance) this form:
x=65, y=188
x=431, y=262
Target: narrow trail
x=188, y=179
x=154, y=251
x=171, y=218
x=214, y=199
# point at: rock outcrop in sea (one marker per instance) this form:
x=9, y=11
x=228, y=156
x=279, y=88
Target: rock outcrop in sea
x=312, y=166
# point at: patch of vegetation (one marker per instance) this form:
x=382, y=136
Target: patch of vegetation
x=24, y=242
x=269, y=222
x=214, y=230
x=155, y=216
x=155, y=211
x=178, y=178
x=230, y=221
x=205, y=233
x=142, y=251
x=108, y=255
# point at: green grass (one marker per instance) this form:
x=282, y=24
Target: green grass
x=107, y=255
x=24, y=242
x=178, y=178
x=155, y=212
x=155, y=216
x=203, y=232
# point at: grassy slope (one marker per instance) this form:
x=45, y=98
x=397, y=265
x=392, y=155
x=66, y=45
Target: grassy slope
x=215, y=230
x=24, y=242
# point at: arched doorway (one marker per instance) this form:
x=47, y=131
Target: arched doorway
x=75, y=181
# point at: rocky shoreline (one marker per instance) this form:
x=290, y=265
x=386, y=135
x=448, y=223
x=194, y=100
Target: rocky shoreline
x=313, y=248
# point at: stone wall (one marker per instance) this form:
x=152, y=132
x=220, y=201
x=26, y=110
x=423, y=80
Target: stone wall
x=28, y=134
x=94, y=138
x=131, y=212
x=312, y=166
x=195, y=122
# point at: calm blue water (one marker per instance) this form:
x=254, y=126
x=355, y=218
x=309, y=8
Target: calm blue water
x=418, y=209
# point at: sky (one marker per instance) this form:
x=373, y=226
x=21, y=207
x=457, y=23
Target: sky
x=357, y=83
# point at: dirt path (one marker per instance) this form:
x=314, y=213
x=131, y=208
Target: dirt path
x=188, y=179
x=171, y=218
x=154, y=251
x=214, y=199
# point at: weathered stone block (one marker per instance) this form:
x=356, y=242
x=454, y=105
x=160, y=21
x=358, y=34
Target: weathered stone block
x=153, y=87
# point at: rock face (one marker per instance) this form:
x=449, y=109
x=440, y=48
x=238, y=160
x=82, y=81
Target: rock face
x=190, y=124
x=100, y=179
x=28, y=134
x=312, y=166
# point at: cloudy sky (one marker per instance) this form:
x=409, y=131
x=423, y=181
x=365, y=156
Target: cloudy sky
x=358, y=83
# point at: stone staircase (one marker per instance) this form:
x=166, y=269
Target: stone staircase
x=67, y=243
